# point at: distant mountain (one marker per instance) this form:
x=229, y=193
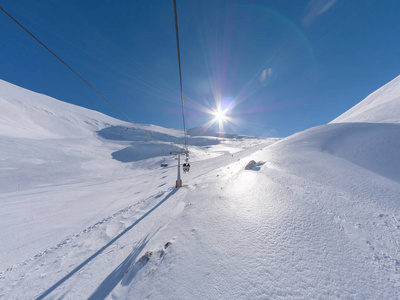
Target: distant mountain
x=201, y=131
x=382, y=106
x=204, y=131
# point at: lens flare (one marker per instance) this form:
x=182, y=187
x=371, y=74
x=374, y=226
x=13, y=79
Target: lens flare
x=314, y=9
x=266, y=77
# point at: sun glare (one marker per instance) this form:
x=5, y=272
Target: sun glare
x=219, y=115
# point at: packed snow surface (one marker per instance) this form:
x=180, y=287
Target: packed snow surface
x=86, y=215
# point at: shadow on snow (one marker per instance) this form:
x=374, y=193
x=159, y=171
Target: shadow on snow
x=110, y=282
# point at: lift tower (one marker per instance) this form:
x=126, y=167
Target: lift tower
x=179, y=153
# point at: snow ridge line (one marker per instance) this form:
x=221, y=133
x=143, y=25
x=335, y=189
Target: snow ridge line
x=69, y=239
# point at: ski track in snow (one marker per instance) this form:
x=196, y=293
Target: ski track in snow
x=84, y=243
x=81, y=245
x=128, y=210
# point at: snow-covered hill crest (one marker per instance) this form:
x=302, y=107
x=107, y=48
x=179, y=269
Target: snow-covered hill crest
x=382, y=106
x=26, y=114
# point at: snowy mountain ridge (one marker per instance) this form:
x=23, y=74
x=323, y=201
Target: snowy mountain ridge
x=382, y=106
x=27, y=114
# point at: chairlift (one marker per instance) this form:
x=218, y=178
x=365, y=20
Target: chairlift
x=164, y=164
x=186, y=167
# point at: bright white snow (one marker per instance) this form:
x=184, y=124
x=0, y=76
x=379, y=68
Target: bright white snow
x=317, y=217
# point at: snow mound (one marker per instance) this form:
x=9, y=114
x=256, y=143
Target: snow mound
x=372, y=146
x=382, y=106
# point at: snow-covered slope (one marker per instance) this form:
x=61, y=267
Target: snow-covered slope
x=304, y=224
x=25, y=114
x=318, y=217
x=54, y=158
x=382, y=106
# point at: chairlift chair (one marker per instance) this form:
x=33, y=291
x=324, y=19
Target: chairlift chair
x=186, y=167
x=164, y=164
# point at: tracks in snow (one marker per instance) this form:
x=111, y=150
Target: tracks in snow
x=70, y=256
x=70, y=239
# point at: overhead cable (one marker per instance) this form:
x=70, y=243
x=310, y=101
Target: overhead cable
x=79, y=76
x=180, y=72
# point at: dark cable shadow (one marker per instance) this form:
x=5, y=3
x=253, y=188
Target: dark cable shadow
x=70, y=274
x=118, y=274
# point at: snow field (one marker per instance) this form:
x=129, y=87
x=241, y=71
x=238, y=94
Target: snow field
x=318, y=217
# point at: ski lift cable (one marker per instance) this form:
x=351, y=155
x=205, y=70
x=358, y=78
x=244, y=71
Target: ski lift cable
x=76, y=73
x=180, y=72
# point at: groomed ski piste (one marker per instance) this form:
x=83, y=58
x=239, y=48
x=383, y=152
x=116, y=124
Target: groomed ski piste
x=88, y=213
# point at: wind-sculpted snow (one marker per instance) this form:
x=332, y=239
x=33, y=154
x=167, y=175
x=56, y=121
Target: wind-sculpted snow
x=375, y=147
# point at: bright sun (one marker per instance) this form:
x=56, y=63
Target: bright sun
x=219, y=115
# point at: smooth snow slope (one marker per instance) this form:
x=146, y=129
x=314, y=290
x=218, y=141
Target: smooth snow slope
x=382, y=106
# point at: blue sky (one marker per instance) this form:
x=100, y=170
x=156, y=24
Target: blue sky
x=277, y=67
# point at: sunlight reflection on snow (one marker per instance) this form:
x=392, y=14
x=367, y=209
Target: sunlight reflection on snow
x=252, y=196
